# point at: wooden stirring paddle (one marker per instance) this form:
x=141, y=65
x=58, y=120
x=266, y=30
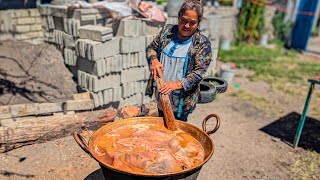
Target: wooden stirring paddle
x=166, y=106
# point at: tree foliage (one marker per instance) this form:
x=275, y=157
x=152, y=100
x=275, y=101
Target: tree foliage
x=251, y=22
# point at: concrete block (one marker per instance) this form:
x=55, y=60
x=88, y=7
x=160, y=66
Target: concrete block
x=36, y=27
x=132, y=74
x=134, y=59
x=68, y=41
x=58, y=23
x=34, y=13
x=172, y=20
x=126, y=61
x=107, y=96
x=96, y=68
x=26, y=20
x=96, y=33
x=117, y=63
x=132, y=100
x=117, y=93
x=132, y=44
x=215, y=54
x=146, y=99
x=142, y=59
x=97, y=98
x=147, y=72
x=44, y=10
x=101, y=83
x=50, y=22
x=150, y=28
x=38, y=20
x=22, y=28
x=70, y=57
x=149, y=40
x=58, y=36
x=108, y=64
x=94, y=50
x=21, y=13
x=129, y=28
x=59, y=11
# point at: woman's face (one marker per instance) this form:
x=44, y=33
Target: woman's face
x=187, y=24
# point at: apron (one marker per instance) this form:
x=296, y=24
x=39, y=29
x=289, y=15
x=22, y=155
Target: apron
x=174, y=58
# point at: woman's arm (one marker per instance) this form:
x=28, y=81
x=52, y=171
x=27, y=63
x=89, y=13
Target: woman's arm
x=202, y=61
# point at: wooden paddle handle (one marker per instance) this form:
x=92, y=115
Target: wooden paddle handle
x=166, y=106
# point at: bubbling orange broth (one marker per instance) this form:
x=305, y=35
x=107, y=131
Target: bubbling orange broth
x=149, y=148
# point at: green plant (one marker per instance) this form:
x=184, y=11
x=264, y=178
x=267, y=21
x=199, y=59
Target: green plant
x=161, y=1
x=225, y=2
x=282, y=28
x=251, y=22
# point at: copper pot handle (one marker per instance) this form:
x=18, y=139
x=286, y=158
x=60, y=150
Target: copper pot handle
x=204, y=123
x=81, y=142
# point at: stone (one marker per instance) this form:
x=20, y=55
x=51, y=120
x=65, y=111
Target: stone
x=109, y=115
x=58, y=23
x=130, y=111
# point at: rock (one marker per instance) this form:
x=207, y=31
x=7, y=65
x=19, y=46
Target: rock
x=130, y=111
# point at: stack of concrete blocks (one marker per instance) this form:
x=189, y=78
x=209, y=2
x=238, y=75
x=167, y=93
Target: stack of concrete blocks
x=61, y=25
x=210, y=28
x=21, y=25
x=108, y=62
x=228, y=21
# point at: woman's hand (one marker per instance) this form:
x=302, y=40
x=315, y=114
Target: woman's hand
x=156, y=69
x=167, y=87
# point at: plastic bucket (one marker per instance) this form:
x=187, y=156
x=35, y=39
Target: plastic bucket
x=227, y=73
x=264, y=40
x=225, y=44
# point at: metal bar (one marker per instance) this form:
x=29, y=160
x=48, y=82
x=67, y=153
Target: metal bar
x=303, y=116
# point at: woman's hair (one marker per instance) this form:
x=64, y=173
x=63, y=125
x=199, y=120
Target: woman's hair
x=194, y=5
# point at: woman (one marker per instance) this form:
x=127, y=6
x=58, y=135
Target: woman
x=183, y=54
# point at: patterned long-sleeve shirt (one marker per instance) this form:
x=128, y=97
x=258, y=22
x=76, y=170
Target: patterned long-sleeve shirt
x=199, y=59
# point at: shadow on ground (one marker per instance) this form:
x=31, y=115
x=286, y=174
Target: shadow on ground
x=95, y=175
x=285, y=129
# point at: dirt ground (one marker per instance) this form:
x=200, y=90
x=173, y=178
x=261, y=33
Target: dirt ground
x=244, y=148
x=33, y=73
x=252, y=142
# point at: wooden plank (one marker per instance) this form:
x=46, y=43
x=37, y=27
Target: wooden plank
x=85, y=104
x=44, y=108
x=4, y=112
x=81, y=96
x=29, y=130
x=21, y=110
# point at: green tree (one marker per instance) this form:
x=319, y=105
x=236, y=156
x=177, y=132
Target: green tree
x=251, y=21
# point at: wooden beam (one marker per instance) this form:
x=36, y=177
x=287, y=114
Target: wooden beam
x=20, y=110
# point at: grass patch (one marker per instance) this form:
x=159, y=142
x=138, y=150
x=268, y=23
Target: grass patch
x=271, y=65
x=257, y=101
x=306, y=165
x=281, y=68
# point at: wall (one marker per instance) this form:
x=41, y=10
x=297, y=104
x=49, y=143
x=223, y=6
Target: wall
x=24, y=24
